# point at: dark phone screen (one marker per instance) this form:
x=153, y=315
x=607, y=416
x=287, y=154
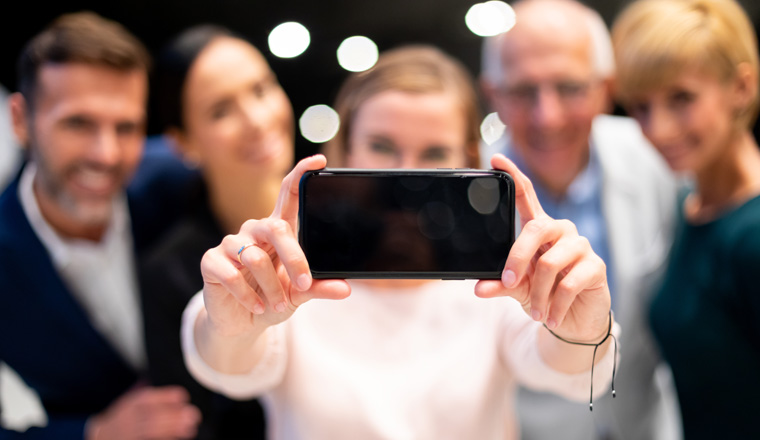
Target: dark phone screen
x=429, y=224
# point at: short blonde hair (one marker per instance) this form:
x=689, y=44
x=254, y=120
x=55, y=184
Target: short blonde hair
x=657, y=40
x=413, y=69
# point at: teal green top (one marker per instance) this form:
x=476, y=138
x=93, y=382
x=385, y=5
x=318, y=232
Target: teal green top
x=706, y=319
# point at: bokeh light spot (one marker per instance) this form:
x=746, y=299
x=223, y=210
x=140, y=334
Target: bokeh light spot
x=490, y=18
x=357, y=54
x=491, y=129
x=319, y=123
x=288, y=40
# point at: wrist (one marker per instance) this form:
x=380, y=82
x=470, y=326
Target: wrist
x=593, y=341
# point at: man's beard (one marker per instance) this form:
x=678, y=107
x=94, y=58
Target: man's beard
x=96, y=211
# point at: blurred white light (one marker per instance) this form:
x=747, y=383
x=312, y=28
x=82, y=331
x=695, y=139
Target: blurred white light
x=288, y=40
x=492, y=128
x=319, y=123
x=490, y=18
x=357, y=54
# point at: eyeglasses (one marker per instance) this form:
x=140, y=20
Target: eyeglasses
x=568, y=92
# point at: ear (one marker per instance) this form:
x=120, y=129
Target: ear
x=744, y=87
x=19, y=118
x=607, y=88
x=488, y=90
x=182, y=146
x=491, y=94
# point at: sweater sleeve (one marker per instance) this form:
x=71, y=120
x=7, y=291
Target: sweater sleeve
x=519, y=349
x=267, y=374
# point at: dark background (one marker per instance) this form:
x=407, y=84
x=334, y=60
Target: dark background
x=309, y=79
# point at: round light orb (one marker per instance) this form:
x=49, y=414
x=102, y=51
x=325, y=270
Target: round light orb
x=357, y=54
x=491, y=129
x=490, y=18
x=288, y=40
x=319, y=123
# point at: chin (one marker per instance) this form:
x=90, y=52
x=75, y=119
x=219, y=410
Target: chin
x=93, y=215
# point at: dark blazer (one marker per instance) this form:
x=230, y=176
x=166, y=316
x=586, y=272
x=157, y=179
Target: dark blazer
x=47, y=336
x=169, y=276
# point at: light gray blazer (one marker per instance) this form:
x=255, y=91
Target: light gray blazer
x=639, y=203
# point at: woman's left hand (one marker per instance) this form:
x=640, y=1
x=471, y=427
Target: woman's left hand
x=551, y=270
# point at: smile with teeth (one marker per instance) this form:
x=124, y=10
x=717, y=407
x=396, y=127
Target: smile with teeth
x=95, y=181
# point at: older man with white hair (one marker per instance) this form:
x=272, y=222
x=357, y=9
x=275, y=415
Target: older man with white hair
x=549, y=80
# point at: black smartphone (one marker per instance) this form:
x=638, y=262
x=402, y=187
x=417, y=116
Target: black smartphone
x=401, y=223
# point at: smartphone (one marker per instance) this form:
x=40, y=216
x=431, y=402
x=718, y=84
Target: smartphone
x=401, y=223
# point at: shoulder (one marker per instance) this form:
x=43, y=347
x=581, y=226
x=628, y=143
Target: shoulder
x=628, y=161
x=741, y=230
x=159, y=194
x=13, y=221
x=620, y=142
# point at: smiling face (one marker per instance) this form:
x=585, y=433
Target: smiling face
x=550, y=93
x=690, y=120
x=238, y=120
x=395, y=129
x=86, y=135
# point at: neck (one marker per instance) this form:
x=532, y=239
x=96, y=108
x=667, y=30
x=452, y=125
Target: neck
x=233, y=204
x=62, y=222
x=556, y=184
x=730, y=180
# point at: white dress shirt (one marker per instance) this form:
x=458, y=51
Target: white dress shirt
x=101, y=275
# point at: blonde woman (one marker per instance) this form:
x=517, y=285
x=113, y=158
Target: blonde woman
x=688, y=72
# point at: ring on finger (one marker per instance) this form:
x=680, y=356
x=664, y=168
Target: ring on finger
x=243, y=248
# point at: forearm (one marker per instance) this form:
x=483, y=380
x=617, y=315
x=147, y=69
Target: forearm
x=228, y=354
x=570, y=358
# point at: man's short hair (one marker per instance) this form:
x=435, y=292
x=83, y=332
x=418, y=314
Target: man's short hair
x=82, y=37
x=602, y=57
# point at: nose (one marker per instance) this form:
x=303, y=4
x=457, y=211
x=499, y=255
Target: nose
x=107, y=150
x=547, y=109
x=256, y=114
x=408, y=161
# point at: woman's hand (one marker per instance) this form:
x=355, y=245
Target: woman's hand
x=258, y=277
x=551, y=270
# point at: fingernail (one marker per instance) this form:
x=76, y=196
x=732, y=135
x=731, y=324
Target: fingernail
x=303, y=282
x=508, y=279
x=258, y=309
x=551, y=323
x=280, y=306
x=535, y=314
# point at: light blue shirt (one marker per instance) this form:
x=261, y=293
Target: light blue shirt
x=581, y=204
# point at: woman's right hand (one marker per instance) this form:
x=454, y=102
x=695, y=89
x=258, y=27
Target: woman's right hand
x=271, y=278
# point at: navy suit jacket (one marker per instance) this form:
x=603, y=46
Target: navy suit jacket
x=47, y=337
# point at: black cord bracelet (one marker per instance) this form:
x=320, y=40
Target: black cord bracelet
x=593, y=359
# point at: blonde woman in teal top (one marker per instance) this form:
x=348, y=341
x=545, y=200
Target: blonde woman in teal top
x=688, y=72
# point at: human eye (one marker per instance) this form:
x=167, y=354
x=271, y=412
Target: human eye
x=681, y=98
x=638, y=110
x=220, y=110
x=260, y=90
x=266, y=85
x=383, y=148
x=78, y=123
x=128, y=128
x=571, y=89
x=522, y=92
